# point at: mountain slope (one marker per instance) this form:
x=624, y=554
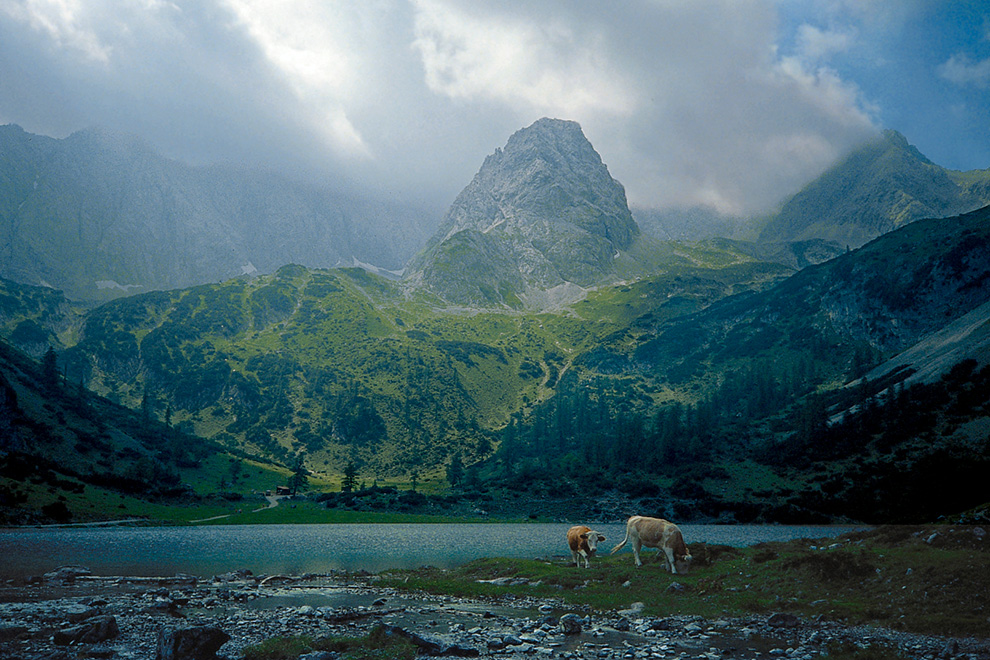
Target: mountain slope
x=540, y=213
x=881, y=186
x=884, y=297
x=100, y=215
x=966, y=338
x=67, y=454
x=748, y=409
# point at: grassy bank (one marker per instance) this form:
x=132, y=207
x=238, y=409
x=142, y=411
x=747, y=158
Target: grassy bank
x=932, y=580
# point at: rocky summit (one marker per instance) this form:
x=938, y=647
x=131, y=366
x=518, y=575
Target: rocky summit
x=543, y=212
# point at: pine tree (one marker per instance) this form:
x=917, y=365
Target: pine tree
x=350, y=478
x=49, y=371
x=299, y=475
x=455, y=471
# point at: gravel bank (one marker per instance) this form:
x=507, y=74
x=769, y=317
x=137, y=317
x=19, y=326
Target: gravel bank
x=69, y=614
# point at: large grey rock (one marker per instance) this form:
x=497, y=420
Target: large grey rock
x=433, y=646
x=197, y=642
x=79, y=612
x=571, y=624
x=67, y=573
x=783, y=620
x=97, y=629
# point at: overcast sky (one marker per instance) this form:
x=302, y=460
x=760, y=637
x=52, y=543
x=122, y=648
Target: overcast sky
x=726, y=103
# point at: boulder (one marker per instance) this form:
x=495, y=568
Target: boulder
x=783, y=620
x=571, y=624
x=9, y=631
x=197, y=642
x=97, y=629
x=67, y=573
x=78, y=612
x=431, y=646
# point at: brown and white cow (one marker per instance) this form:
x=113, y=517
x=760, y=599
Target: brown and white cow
x=583, y=542
x=660, y=534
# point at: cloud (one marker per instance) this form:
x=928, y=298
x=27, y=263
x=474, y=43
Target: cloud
x=557, y=64
x=961, y=70
x=688, y=103
x=815, y=43
x=309, y=47
x=64, y=22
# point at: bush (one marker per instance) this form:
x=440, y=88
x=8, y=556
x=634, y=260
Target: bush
x=57, y=511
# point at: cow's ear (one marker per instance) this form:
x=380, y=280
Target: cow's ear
x=601, y=537
x=585, y=536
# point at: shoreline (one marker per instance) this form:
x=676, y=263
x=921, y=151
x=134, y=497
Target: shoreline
x=50, y=617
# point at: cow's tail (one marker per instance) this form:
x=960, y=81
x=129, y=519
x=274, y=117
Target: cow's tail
x=620, y=546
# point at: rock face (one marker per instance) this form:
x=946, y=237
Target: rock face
x=540, y=213
x=100, y=215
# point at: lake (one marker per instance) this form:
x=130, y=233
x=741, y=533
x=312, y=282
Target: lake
x=205, y=551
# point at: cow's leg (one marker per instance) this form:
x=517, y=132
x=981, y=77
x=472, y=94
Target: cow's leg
x=636, y=545
x=574, y=558
x=669, y=554
x=587, y=564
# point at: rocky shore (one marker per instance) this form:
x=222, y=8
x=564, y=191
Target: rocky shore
x=69, y=614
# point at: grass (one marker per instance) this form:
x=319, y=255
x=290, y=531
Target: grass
x=891, y=578
x=305, y=512
x=378, y=644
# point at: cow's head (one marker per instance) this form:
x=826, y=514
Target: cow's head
x=593, y=538
x=683, y=564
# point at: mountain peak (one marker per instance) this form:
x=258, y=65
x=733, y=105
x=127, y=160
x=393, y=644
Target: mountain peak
x=544, y=206
x=884, y=184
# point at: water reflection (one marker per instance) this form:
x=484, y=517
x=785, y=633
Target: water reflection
x=296, y=549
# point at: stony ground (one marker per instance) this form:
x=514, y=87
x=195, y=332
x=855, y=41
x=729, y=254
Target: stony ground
x=70, y=615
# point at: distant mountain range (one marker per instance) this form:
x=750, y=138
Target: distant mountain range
x=100, y=215
x=880, y=186
x=541, y=338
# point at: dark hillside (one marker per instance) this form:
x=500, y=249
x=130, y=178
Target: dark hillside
x=735, y=412
x=60, y=443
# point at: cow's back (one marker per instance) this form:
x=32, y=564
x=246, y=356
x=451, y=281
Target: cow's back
x=650, y=531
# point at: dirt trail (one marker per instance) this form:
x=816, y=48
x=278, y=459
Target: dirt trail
x=272, y=503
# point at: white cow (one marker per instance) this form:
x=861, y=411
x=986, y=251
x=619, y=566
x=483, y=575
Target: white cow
x=660, y=534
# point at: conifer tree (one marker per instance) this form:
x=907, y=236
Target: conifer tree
x=350, y=478
x=299, y=474
x=49, y=371
x=455, y=471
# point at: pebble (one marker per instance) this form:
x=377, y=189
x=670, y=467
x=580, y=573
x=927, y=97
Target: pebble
x=32, y=614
